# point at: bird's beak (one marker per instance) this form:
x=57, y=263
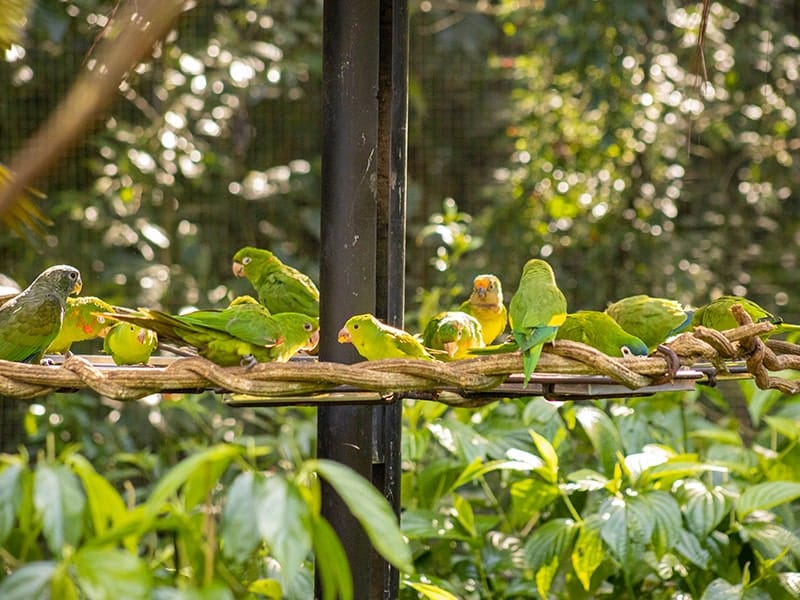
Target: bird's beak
x=76, y=289
x=312, y=341
x=451, y=348
x=238, y=269
x=344, y=336
x=141, y=336
x=480, y=289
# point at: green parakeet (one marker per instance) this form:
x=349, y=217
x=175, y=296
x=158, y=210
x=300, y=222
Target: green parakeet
x=717, y=315
x=455, y=332
x=600, y=331
x=535, y=312
x=81, y=322
x=375, y=340
x=280, y=288
x=129, y=344
x=31, y=320
x=485, y=303
x=652, y=320
x=239, y=334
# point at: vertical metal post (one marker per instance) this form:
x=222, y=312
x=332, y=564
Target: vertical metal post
x=348, y=254
x=391, y=220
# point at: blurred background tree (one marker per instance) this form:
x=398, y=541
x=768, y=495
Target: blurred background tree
x=583, y=133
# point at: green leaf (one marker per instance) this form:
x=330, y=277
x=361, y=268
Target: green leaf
x=587, y=554
x=545, y=575
x=704, y=508
x=370, y=508
x=271, y=588
x=528, y=497
x=689, y=546
x=58, y=497
x=10, y=482
x=429, y=524
x=551, y=540
x=239, y=533
x=31, y=580
x=603, y=435
x=786, y=426
x=62, y=586
x=772, y=541
x=548, y=454
x=283, y=520
x=106, y=506
x=429, y=591
x=105, y=574
x=719, y=589
x=791, y=582
x=666, y=516
x=464, y=514
x=215, y=591
x=764, y=496
x=333, y=570
x=477, y=469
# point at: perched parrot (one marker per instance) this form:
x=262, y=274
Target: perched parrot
x=31, y=320
x=375, y=340
x=280, y=288
x=129, y=344
x=485, y=303
x=24, y=217
x=243, y=333
x=81, y=322
x=600, y=331
x=536, y=311
x=717, y=315
x=455, y=332
x=652, y=320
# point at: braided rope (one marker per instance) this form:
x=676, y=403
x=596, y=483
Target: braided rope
x=475, y=375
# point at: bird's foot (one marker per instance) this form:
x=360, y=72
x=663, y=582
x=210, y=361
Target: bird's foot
x=248, y=362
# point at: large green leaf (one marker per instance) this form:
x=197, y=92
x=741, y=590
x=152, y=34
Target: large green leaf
x=370, y=508
x=704, y=508
x=239, y=533
x=764, y=496
x=786, y=426
x=719, y=589
x=464, y=514
x=333, y=570
x=666, y=515
x=587, y=554
x=603, y=435
x=689, y=546
x=772, y=541
x=430, y=524
x=58, y=497
x=105, y=574
x=31, y=580
x=552, y=540
x=549, y=456
x=9, y=498
x=106, y=506
x=528, y=497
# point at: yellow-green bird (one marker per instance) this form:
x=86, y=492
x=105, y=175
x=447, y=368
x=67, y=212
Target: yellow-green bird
x=375, y=340
x=455, y=332
x=243, y=333
x=536, y=311
x=717, y=315
x=485, y=303
x=129, y=344
x=653, y=320
x=600, y=331
x=31, y=320
x=83, y=320
x=280, y=287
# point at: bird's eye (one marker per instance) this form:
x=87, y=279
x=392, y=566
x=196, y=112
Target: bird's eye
x=308, y=326
x=355, y=326
x=73, y=275
x=246, y=260
x=626, y=352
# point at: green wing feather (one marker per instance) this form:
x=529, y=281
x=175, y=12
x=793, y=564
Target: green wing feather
x=651, y=319
x=600, y=331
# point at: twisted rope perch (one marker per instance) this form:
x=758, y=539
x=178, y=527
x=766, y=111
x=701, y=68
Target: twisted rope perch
x=476, y=375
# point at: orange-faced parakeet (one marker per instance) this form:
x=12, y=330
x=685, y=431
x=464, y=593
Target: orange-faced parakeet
x=375, y=340
x=600, y=331
x=280, y=288
x=242, y=333
x=535, y=312
x=83, y=320
x=129, y=344
x=31, y=320
x=653, y=320
x=455, y=332
x=717, y=315
x=485, y=303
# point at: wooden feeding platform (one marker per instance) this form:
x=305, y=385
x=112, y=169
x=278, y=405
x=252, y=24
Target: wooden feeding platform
x=566, y=370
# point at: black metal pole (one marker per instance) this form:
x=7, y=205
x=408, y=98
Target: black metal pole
x=348, y=255
x=391, y=255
